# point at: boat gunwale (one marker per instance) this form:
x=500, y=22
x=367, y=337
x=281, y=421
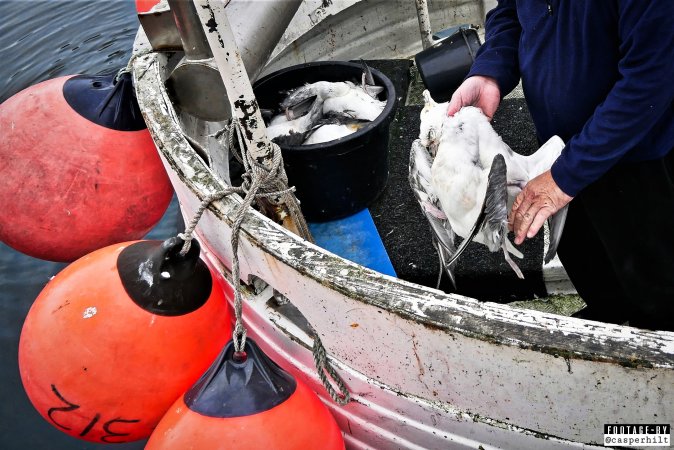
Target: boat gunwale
x=560, y=336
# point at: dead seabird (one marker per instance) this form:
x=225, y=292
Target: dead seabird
x=294, y=132
x=359, y=101
x=334, y=126
x=469, y=187
x=432, y=117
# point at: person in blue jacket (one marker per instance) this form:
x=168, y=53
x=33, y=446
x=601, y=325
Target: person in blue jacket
x=600, y=74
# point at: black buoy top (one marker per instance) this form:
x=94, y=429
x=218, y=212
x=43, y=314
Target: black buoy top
x=240, y=385
x=104, y=101
x=160, y=280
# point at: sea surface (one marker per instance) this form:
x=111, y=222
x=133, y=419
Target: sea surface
x=40, y=40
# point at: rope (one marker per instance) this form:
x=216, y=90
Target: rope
x=258, y=182
x=188, y=235
x=324, y=369
x=129, y=66
x=269, y=184
x=274, y=181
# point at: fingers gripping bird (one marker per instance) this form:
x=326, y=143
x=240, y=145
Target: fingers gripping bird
x=469, y=187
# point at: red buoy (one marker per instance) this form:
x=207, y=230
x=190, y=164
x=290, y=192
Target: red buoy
x=79, y=168
x=143, y=6
x=118, y=335
x=247, y=403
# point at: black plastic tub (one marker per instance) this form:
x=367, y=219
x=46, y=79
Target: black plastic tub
x=338, y=178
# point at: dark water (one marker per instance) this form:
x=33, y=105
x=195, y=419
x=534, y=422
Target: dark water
x=39, y=41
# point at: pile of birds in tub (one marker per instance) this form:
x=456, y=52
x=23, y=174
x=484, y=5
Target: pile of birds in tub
x=325, y=111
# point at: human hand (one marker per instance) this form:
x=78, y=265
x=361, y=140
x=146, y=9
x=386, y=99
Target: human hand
x=539, y=199
x=479, y=91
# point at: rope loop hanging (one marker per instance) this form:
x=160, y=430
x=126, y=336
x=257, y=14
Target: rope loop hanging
x=271, y=184
x=339, y=395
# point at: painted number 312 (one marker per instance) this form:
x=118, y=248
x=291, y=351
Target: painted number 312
x=107, y=426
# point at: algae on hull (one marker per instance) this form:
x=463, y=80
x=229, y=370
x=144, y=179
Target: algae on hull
x=563, y=305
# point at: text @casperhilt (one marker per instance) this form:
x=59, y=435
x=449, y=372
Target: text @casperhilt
x=641, y=435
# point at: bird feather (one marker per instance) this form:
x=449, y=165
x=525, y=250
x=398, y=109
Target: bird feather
x=420, y=182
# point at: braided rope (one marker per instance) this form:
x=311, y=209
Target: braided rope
x=324, y=369
x=270, y=184
x=258, y=182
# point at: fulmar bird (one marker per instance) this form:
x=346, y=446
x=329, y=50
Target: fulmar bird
x=469, y=187
x=358, y=101
x=332, y=127
x=294, y=132
x=342, y=97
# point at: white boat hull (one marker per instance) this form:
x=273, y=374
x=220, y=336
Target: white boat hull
x=425, y=369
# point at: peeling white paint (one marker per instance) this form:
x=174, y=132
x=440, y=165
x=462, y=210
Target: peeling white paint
x=89, y=312
x=145, y=272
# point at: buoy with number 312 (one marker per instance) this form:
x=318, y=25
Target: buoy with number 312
x=118, y=335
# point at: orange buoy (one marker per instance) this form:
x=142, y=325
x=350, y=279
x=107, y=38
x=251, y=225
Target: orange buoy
x=247, y=402
x=118, y=335
x=143, y=6
x=79, y=168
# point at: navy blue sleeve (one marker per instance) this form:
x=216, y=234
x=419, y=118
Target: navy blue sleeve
x=636, y=103
x=497, y=57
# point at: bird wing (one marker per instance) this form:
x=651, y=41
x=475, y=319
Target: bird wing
x=496, y=212
x=368, y=79
x=301, y=108
x=298, y=95
x=539, y=162
x=367, y=82
x=493, y=217
x=420, y=182
x=556, y=224
x=496, y=204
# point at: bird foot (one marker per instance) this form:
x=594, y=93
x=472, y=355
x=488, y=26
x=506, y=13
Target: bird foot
x=434, y=211
x=512, y=263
